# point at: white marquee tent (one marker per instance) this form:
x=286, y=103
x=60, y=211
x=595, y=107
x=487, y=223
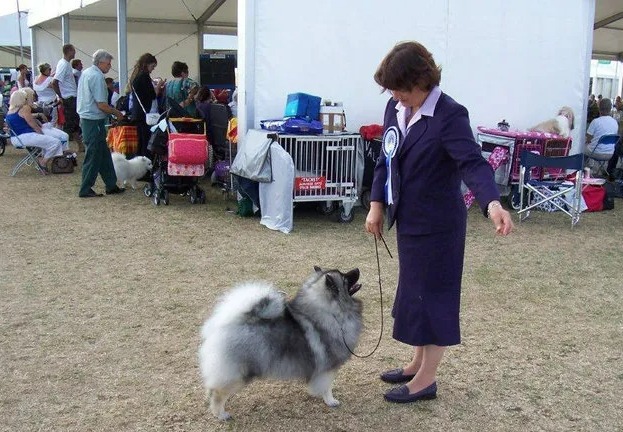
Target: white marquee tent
x=608, y=30
x=515, y=60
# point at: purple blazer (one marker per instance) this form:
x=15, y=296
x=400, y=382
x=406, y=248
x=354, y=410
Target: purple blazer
x=426, y=172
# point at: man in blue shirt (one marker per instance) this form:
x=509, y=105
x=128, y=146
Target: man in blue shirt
x=93, y=109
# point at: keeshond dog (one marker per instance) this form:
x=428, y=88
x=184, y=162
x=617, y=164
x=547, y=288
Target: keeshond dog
x=255, y=332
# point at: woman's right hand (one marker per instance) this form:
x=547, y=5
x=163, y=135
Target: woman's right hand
x=374, y=220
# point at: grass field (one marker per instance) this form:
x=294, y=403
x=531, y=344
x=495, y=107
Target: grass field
x=101, y=301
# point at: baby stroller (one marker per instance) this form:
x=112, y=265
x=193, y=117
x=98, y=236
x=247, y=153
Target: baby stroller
x=178, y=160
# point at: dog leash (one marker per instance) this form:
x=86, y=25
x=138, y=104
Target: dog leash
x=378, y=267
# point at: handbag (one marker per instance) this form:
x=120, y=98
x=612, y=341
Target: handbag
x=150, y=117
x=62, y=164
x=594, y=197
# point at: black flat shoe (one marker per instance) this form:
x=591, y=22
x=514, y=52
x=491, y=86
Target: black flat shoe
x=91, y=194
x=115, y=190
x=395, y=376
x=401, y=394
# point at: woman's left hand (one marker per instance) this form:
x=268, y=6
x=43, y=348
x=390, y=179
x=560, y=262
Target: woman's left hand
x=501, y=219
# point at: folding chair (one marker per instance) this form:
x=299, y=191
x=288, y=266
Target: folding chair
x=602, y=161
x=559, y=193
x=32, y=153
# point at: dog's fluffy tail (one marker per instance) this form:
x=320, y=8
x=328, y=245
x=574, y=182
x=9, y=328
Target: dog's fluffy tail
x=247, y=302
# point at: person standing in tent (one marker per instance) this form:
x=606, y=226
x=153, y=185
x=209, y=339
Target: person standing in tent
x=94, y=110
x=428, y=148
x=65, y=86
x=76, y=68
x=23, y=77
x=181, y=90
x=143, y=92
x=45, y=91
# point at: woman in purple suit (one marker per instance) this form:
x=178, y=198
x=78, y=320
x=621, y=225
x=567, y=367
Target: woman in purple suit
x=428, y=148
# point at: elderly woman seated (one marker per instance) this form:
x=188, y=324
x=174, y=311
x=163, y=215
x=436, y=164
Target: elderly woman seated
x=31, y=131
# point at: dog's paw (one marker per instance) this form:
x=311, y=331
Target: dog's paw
x=224, y=416
x=331, y=401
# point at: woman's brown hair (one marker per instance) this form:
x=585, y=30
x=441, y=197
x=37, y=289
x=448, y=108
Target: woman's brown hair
x=408, y=65
x=140, y=66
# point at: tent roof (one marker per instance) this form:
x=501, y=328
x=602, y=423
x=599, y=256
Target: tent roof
x=608, y=30
x=217, y=16
x=220, y=16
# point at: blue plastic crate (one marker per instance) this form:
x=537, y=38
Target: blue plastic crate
x=303, y=105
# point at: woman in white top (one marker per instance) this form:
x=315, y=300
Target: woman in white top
x=22, y=76
x=45, y=92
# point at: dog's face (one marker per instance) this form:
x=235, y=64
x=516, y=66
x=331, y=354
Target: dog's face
x=144, y=161
x=333, y=285
x=568, y=113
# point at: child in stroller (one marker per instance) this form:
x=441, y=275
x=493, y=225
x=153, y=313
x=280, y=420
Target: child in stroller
x=178, y=160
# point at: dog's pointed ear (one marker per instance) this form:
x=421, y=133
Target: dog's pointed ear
x=317, y=269
x=352, y=276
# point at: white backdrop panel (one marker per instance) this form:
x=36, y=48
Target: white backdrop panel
x=521, y=62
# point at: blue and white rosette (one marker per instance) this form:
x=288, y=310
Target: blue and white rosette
x=391, y=139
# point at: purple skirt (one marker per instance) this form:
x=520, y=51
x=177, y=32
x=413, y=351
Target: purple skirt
x=427, y=303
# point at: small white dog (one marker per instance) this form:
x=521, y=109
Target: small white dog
x=561, y=125
x=129, y=171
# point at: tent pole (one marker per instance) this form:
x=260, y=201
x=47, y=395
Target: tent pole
x=199, y=48
x=65, y=29
x=19, y=25
x=33, y=51
x=122, y=43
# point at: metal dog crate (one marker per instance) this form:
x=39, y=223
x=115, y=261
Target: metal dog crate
x=325, y=170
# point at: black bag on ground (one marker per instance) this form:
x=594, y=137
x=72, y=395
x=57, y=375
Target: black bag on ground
x=610, y=188
x=62, y=164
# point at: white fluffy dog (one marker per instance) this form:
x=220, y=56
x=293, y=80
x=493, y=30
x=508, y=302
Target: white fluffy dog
x=561, y=125
x=129, y=171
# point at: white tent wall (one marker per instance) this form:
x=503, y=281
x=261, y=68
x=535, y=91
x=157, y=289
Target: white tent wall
x=500, y=59
x=168, y=43
x=11, y=60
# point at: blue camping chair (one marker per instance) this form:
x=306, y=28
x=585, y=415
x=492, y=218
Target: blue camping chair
x=601, y=161
x=32, y=153
x=554, y=193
